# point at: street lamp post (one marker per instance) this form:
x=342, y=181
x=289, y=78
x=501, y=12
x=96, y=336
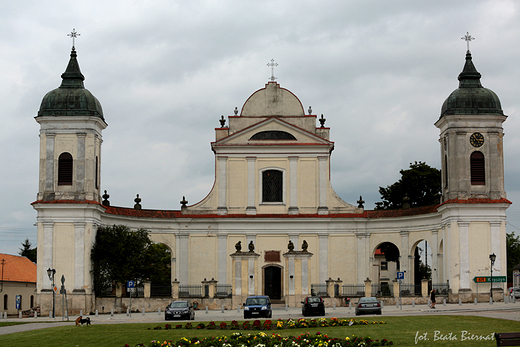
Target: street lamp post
x=492, y=257
x=51, y=273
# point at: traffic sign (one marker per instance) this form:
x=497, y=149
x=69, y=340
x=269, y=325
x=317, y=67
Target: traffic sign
x=130, y=284
x=55, y=288
x=400, y=275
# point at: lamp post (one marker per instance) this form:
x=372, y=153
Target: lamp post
x=492, y=257
x=51, y=273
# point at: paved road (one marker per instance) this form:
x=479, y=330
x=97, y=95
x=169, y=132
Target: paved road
x=501, y=310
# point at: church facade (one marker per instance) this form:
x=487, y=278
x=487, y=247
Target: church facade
x=272, y=223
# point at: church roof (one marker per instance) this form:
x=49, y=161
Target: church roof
x=17, y=269
x=71, y=98
x=471, y=98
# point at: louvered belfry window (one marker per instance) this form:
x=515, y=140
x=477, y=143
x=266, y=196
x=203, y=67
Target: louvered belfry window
x=478, y=175
x=272, y=186
x=65, y=169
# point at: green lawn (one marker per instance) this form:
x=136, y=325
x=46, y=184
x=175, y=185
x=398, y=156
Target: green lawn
x=403, y=331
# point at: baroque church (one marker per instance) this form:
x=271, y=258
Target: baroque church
x=272, y=223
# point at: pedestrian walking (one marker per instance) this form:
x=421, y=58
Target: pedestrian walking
x=432, y=298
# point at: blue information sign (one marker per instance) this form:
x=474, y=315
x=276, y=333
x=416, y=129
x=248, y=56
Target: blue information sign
x=18, y=302
x=130, y=284
x=400, y=275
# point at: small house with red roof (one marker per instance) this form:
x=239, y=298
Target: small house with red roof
x=17, y=282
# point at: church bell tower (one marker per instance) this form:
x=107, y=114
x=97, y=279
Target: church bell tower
x=472, y=140
x=68, y=201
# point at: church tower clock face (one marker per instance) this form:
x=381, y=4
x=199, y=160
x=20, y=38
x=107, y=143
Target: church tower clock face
x=476, y=139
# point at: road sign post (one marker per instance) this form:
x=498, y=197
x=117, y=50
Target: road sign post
x=130, y=285
x=400, y=278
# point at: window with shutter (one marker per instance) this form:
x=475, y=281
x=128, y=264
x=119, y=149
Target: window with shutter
x=65, y=169
x=478, y=176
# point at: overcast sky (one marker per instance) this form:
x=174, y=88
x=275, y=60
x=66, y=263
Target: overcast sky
x=165, y=71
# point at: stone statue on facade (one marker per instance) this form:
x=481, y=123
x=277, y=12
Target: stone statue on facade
x=305, y=245
x=251, y=246
x=238, y=246
x=290, y=246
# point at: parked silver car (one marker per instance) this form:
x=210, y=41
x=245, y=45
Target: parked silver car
x=368, y=305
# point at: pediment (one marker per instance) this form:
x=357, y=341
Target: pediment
x=272, y=131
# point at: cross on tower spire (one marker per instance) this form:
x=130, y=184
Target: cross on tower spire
x=73, y=35
x=272, y=64
x=468, y=38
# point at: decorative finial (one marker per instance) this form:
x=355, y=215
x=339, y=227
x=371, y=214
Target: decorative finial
x=468, y=38
x=361, y=202
x=222, y=121
x=322, y=121
x=105, y=199
x=310, y=110
x=137, y=205
x=73, y=35
x=184, y=202
x=272, y=64
x=236, y=111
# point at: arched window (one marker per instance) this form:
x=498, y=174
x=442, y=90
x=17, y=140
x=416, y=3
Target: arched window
x=272, y=186
x=478, y=175
x=65, y=169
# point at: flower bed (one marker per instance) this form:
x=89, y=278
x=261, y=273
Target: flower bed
x=262, y=339
x=280, y=324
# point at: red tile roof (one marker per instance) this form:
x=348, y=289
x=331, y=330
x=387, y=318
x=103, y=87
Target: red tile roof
x=130, y=212
x=17, y=269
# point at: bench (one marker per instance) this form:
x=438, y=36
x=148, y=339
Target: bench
x=507, y=339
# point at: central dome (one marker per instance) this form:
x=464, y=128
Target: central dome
x=272, y=101
x=71, y=98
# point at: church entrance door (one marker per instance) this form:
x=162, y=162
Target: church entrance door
x=273, y=282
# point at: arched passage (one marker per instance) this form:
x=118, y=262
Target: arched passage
x=385, y=266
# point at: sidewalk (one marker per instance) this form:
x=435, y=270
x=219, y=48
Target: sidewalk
x=501, y=310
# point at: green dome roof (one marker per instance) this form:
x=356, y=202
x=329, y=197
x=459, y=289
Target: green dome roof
x=471, y=98
x=71, y=98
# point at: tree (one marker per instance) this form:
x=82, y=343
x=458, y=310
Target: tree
x=27, y=251
x=159, y=264
x=513, y=253
x=119, y=255
x=420, y=185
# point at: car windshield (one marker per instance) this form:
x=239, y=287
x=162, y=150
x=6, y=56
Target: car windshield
x=178, y=304
x=256, y=301
x=371, y=299
x=313, y=300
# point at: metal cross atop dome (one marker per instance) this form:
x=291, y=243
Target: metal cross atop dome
x=468, y=38
x=73, y=35
x=272, y=64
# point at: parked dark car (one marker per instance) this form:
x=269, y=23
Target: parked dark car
x=181, y=309
x=258, y=306
x=313, y=305
x=515, y=292
x=368, y=305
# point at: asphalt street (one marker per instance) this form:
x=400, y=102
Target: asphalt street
x=510, y=311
